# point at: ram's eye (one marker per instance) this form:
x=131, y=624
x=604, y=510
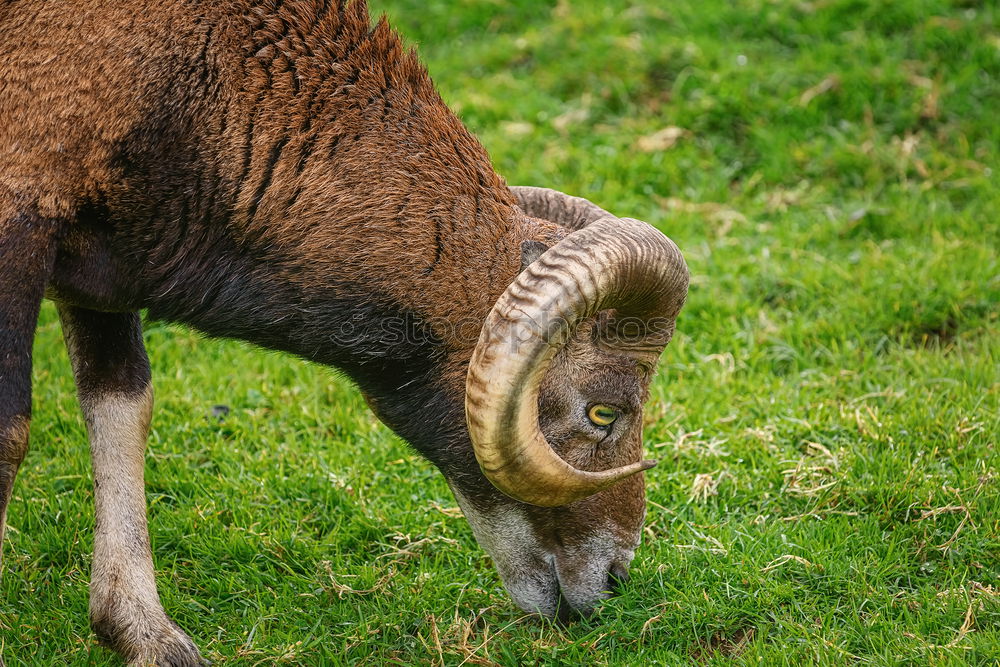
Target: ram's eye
x=602, y=415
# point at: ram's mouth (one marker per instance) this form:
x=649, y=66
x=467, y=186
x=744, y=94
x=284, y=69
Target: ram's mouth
x=551, y=604
x=563, y=612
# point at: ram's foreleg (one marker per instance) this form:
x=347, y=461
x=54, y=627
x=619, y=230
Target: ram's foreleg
x=113, y=381
x=28, y=244
x=27, y=254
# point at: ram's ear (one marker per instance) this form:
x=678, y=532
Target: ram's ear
x=530, y=251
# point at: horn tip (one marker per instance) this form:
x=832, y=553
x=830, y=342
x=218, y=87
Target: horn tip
x=647, y=464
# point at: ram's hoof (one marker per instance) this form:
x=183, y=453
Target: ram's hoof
x=145, y=642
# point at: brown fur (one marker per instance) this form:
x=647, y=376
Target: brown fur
x=304, y=132
x=277, y=172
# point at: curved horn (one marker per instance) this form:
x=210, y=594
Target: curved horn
x=615, y=263
x=570, y=212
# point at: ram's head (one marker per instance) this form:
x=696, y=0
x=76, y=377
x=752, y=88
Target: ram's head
x=554, y=401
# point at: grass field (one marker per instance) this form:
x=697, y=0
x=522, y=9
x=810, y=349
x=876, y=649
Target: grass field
x=827, y=416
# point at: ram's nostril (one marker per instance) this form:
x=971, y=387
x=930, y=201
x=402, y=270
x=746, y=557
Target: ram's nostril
x=617, y=576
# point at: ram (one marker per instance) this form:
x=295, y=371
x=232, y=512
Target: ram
x=284, y=173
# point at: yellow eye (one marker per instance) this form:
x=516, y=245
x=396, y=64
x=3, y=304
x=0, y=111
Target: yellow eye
x=602, y=415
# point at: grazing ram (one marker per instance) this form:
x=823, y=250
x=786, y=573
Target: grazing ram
x=283, y=172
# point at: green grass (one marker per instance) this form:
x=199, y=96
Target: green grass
x=827, y=415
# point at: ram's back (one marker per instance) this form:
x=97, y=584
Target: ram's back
x=78, y=83
x=212, y=152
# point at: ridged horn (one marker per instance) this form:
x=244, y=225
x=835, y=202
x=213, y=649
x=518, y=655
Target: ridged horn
x=570, y=212
x=607, y=263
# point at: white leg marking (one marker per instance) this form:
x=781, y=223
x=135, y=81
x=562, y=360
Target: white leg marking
x=125, y=608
